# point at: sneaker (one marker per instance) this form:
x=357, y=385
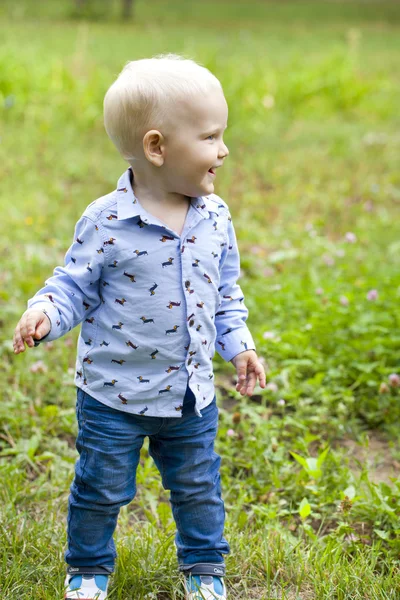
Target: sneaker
x=86, y=587
x=204, y=587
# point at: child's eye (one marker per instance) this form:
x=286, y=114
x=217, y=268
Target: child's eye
x=209, y=137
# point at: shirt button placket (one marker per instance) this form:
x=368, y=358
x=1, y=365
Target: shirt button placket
x=187, y=271
x=186, y=268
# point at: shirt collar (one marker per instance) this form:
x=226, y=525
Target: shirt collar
x=129, y=206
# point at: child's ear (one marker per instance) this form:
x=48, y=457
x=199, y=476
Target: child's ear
x=153, y=147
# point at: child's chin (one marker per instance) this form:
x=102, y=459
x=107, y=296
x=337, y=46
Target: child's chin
x=206, y=187
x=209, y=187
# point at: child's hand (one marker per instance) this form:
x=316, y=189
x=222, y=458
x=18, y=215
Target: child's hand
x=248, y=368
x=34, y=324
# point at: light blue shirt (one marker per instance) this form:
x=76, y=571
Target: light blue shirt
x=154, y=306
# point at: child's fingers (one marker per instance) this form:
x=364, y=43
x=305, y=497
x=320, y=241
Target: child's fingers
x=240, y=384
x=17, y=342
x=251, y=382
x=25, y=331
x=241, y=374
x=261, y=375
x=243, y=386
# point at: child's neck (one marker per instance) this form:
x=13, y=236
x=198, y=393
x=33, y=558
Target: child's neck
x=153, y=198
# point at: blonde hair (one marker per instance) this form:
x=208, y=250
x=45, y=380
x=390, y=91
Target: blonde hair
x=143, y=95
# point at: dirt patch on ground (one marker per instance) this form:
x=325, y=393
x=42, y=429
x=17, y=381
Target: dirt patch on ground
x=377, y=457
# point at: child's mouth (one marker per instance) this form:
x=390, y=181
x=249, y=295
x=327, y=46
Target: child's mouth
x=211, y=172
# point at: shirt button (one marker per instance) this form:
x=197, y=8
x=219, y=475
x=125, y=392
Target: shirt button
x=187, y=282
x=191, y=322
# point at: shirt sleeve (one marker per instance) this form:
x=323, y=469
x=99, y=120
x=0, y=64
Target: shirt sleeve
x=233, y=335
x=73, y=291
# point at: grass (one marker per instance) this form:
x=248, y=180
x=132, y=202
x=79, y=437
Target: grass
x=313, y=91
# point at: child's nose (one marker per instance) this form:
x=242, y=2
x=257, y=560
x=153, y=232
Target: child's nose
x=224, y=151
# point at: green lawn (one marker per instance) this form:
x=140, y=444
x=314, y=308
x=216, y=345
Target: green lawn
x=310, y=467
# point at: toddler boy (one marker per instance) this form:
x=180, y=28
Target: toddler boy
x=152, y=276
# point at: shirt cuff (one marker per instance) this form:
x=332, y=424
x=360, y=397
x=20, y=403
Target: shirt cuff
x=233, y=343
x=52, y=312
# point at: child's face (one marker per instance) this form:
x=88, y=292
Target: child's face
x=194, y=144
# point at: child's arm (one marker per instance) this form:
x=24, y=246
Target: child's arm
x=73, y=290
x=234, y=340
x=233, y=335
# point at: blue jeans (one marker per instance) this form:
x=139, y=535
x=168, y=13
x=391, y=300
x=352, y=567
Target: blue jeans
x=109, y=443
